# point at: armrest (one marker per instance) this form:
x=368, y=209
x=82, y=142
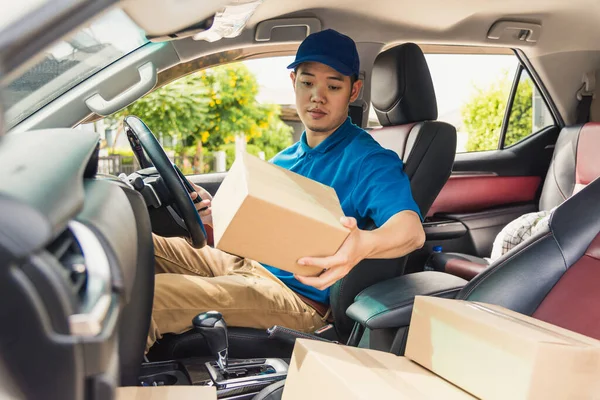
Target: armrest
x=389, y=304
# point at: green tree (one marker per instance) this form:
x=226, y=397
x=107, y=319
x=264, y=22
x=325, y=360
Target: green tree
x=208, y=109
x=483, y=114
x=520, y=122
x=170, y=111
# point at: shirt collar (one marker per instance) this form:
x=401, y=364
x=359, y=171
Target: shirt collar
x=330, y=142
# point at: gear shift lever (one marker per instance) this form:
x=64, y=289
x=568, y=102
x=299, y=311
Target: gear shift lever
x=212, y=326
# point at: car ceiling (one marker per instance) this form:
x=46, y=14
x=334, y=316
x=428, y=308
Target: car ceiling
x=567, y=47
x=565, y=23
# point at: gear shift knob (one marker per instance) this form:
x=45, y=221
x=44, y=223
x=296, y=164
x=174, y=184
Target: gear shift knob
x=212, y=326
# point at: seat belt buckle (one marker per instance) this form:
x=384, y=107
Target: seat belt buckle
x=327, y=332
x=290, y=335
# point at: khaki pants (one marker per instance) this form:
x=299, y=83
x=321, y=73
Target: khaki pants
x=190, y=281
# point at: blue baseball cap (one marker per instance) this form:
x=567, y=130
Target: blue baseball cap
x=331, y=48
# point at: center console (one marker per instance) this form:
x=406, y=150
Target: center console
x=233, y=378
x=382, y=312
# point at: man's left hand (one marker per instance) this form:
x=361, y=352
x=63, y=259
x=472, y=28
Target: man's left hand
x=354, y=249
x=205, y=206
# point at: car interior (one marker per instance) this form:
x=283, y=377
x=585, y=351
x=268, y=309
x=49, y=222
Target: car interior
x=76, y=250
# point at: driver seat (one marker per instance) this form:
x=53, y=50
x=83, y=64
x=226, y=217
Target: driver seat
x=404, y=100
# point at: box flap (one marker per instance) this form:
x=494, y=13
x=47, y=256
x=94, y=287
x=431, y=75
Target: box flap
x=562, y=334
x=528, y=328
x=232, y=192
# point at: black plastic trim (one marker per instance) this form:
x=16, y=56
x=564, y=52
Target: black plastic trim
x=442, y=230
x=558, y=119
x=509, y=106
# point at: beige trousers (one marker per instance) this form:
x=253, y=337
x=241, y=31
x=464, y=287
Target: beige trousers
x=190, y=281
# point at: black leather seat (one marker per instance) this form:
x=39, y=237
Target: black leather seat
x=554, y=276
x=404, y=100
x=574, y=164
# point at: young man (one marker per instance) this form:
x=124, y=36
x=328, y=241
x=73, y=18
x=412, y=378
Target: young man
x=369, y=182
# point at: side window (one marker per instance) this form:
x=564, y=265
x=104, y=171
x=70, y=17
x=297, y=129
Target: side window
x=473, y=88
x=529, y=112
x=200, y=119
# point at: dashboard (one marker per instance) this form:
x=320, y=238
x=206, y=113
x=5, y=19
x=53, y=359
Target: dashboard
x=76, y=268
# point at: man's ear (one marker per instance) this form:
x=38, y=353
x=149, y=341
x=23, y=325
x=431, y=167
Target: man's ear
x=293, y=77
x=355, y=90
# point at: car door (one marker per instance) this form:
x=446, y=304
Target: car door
x=508, y=130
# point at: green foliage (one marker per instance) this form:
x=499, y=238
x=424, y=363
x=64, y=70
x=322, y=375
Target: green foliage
x=126, y=155
x=276, y=137
x=483, y=114
x=521, y=116
x=230, y=152
x=172, y=110
x=206, y=110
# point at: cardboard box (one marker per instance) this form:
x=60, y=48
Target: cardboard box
x=166, y=393
x=274, y=216
x=320, y=370
x=495, y=353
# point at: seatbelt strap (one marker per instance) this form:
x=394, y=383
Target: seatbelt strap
x=583, y=109
x=585, y=95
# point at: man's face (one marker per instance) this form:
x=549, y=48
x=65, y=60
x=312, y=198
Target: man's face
x=323, y=96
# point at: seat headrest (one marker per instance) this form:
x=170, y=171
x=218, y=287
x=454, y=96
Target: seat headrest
x=401, y=87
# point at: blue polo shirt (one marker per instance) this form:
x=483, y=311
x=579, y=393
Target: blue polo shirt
x=369, y=181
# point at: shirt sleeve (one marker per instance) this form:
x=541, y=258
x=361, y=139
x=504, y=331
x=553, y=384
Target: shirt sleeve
x=382, y=188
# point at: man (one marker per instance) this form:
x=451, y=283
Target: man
x=368, y=180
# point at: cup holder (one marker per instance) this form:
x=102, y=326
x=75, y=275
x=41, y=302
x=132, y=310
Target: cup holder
x=164, y=374
x=167, y=379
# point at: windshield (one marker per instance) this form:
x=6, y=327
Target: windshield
x=70, y=62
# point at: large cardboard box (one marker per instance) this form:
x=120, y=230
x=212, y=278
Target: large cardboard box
x=275, y=216
x=495, y=353
x=166, y=393
x=320, y=370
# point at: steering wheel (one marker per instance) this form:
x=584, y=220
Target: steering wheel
x=174, y=180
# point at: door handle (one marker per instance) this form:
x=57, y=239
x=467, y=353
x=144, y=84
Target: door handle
x=148, y=78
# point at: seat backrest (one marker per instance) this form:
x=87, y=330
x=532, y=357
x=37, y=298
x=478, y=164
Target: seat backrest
x=135, y=316
x=404, y=100
x=574, y=164
x=554, y=276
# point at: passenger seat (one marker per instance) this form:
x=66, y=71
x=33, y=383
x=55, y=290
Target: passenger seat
x=574, y=165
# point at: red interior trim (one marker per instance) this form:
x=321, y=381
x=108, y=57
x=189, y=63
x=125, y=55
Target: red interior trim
x=587, y=166
x=574, y=302
x=463, y=268
x=471, y=193
x=209, y=235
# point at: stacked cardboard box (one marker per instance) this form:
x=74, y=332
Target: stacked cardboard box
x=495, y=353
x=455, y=350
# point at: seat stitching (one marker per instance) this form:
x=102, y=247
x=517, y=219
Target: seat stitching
x=492, y=270
x=559, y=248
x=555, y=179
x=412, y=300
